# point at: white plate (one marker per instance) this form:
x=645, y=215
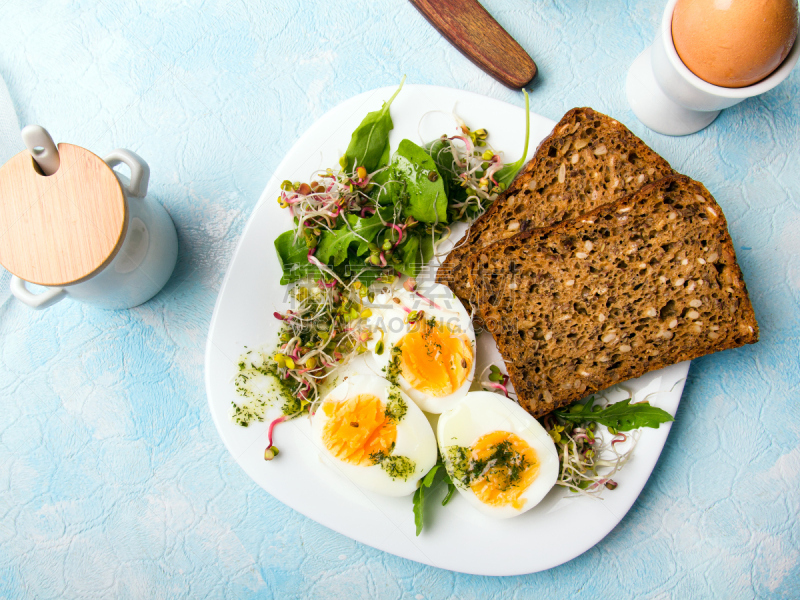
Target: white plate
x=455, y=537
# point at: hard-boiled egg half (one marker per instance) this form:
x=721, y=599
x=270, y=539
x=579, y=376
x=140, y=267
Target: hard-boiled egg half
x=374, y=435
x=424, y=341
x=500, y=458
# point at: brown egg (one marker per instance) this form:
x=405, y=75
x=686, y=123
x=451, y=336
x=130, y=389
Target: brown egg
x=734, y=43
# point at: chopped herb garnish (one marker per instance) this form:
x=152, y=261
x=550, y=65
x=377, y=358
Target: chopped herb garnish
x=380, y=456
x=504, y=465
x=396, y=407
x=398, y=467
x=392, y=370
x=377, y=457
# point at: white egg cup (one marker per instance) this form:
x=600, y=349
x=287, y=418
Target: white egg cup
x=667, y=97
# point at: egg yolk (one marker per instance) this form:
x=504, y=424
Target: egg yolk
x=358, y=430
x=508, y=466
x=434, y=359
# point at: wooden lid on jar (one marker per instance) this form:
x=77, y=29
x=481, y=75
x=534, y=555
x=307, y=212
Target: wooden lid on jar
x=61, y=228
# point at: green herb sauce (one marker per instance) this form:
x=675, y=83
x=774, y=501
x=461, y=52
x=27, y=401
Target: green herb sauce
x=396, y=408
x=379, y=457
x=260, y=395
x=457, y=464
x=392, y=370
x=399, y=467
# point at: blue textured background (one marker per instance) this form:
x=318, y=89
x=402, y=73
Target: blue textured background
x=113, y=481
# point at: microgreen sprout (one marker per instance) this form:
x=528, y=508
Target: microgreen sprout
x=472, y=167
x=317, y=206
x=589, y=458
x=326, y=327
x=492, y=379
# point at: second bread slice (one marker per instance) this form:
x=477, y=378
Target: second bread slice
x=631, y=287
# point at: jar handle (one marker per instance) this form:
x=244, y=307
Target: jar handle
x=140, y=171
x=37, y=301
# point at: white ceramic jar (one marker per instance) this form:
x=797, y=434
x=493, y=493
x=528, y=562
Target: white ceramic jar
x=141, y=261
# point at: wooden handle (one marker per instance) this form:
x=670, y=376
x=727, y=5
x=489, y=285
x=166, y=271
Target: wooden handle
x=472, y=30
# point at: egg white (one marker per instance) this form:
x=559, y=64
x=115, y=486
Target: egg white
x=390, y=316
x=480, y=413
x=415, y=439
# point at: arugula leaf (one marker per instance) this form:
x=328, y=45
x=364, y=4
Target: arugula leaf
x=622, y=416
x=386, y=156
x=419, y=500
x=419, y=495
x=411, y=257
x=426, y=247
x=334, y=244
x=442, y=155
x=369, y=144
x=293, y=257
x=507, y=174
x=413, y=181
x=427, y=481
x=389, y=189
x=425, y=197
x=451, y=487
x=415, y=252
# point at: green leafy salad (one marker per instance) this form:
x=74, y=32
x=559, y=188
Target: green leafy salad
x=382, y=214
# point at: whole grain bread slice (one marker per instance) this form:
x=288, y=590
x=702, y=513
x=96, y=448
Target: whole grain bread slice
x=588, y=160
x=633, y=286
